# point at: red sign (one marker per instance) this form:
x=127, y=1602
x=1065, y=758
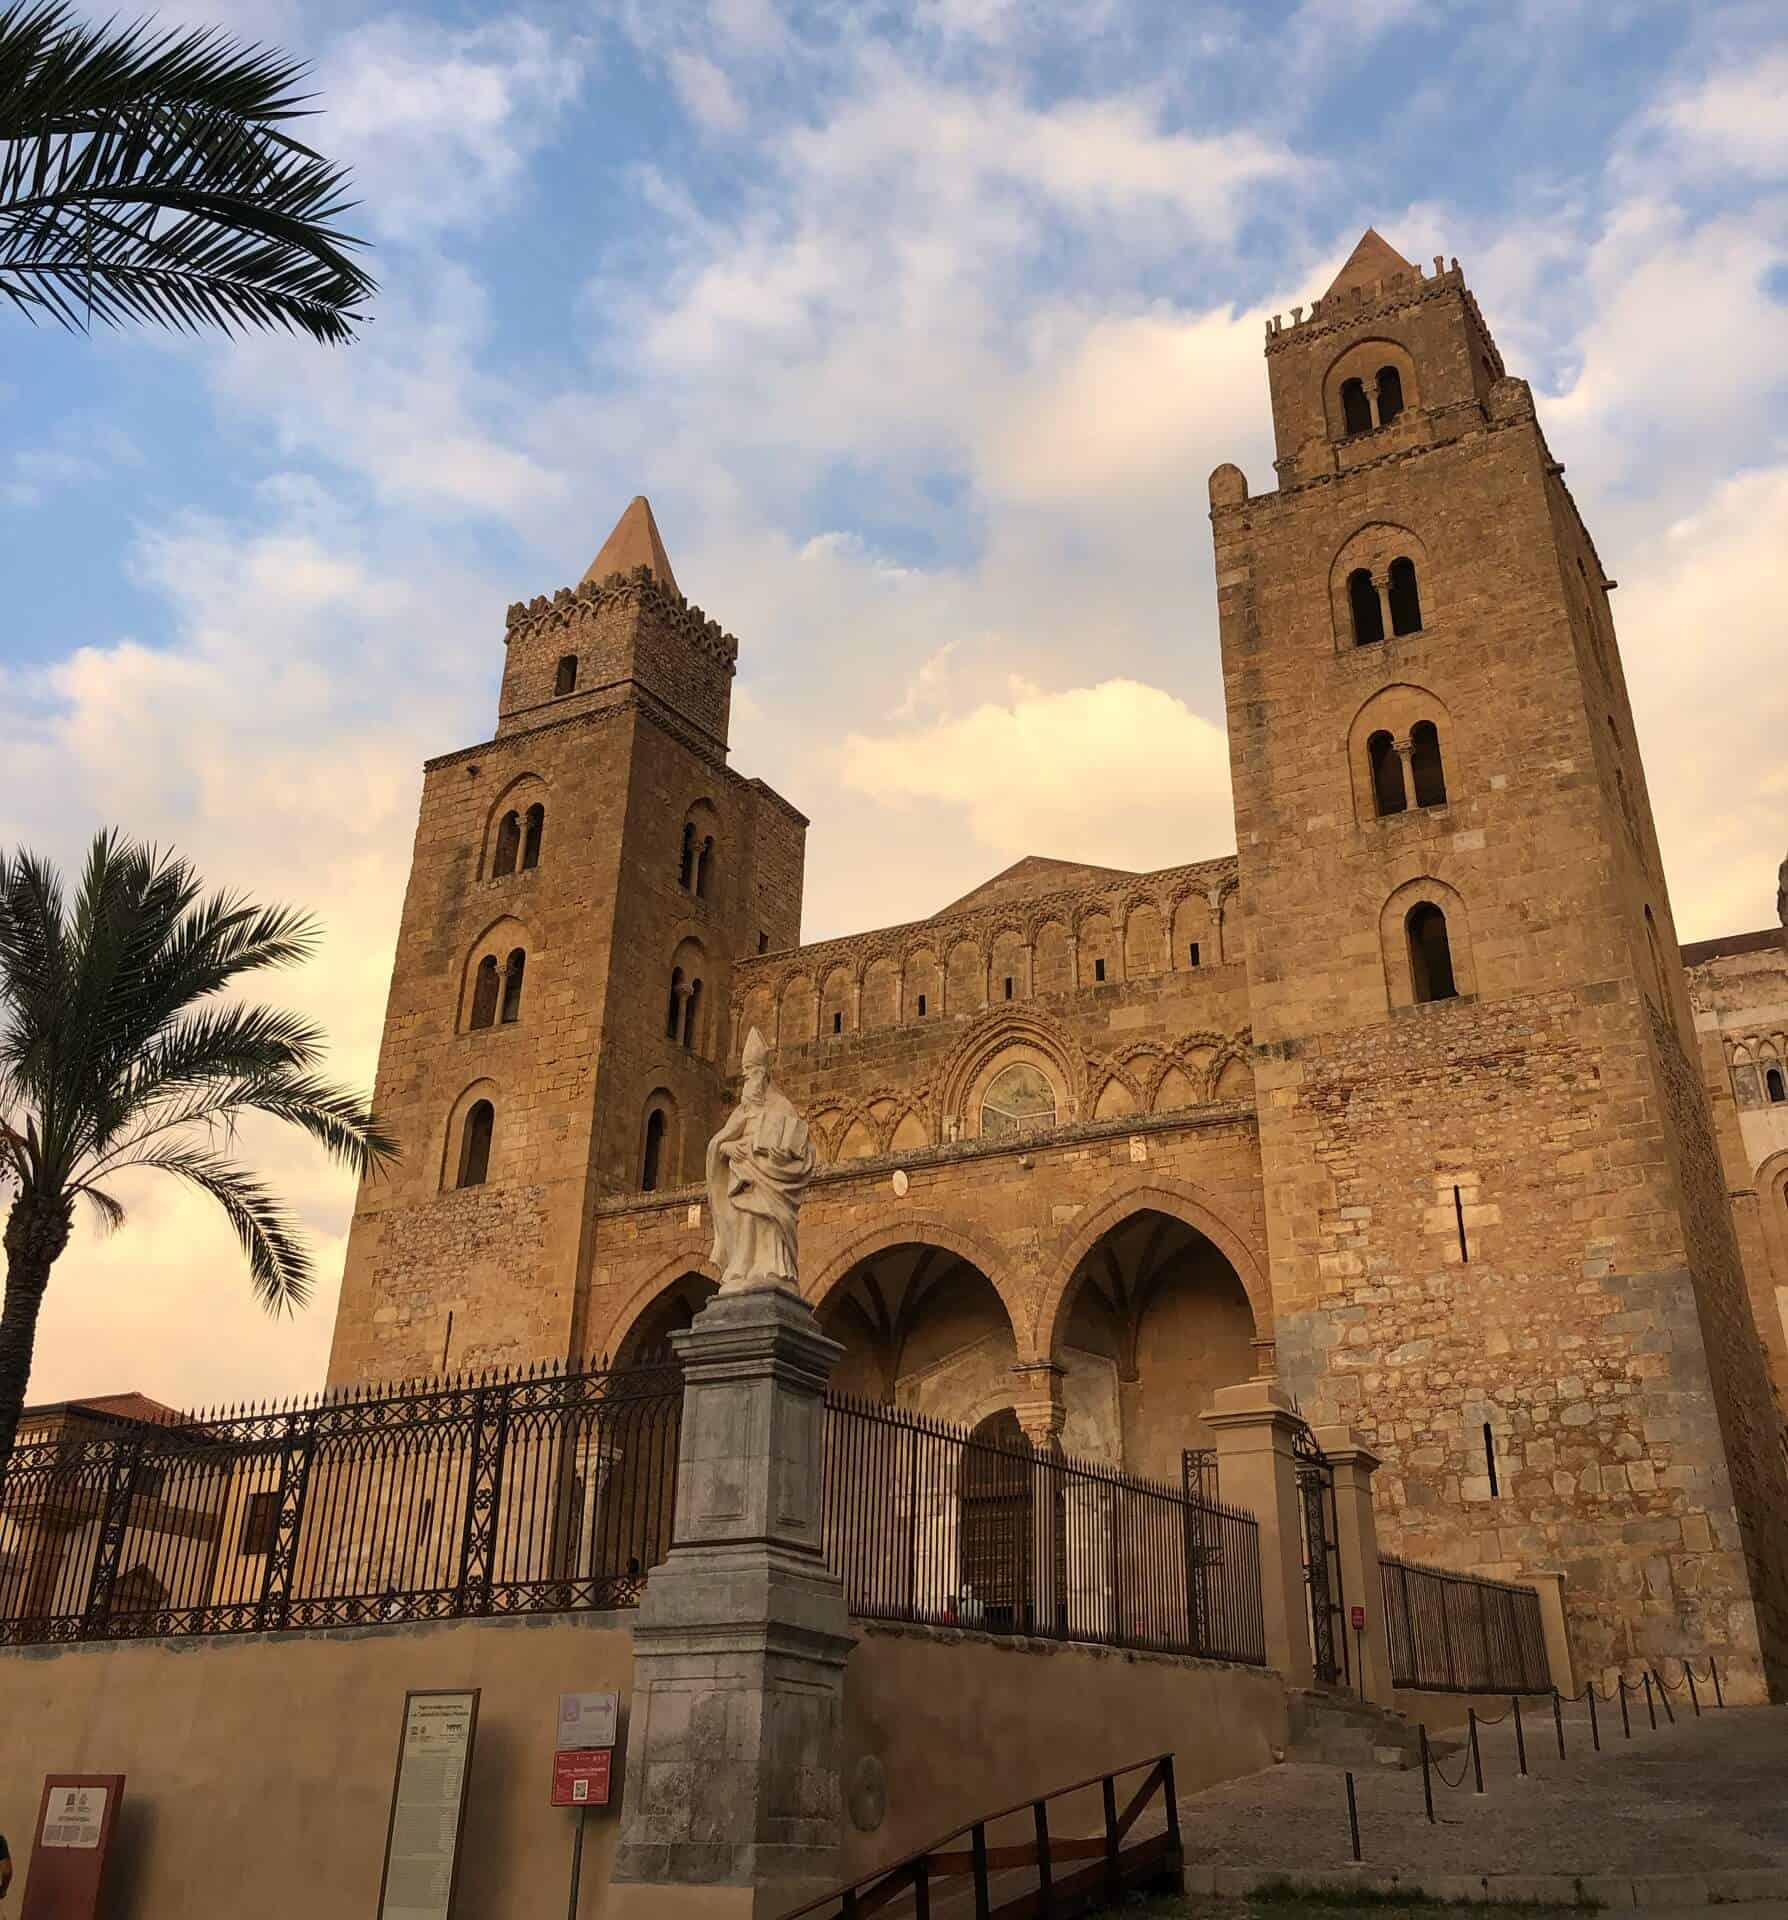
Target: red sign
x=75, y=1821
x=580, y=1777
x=1359, y=1619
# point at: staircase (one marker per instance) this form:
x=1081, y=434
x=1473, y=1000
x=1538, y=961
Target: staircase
x=1335, y=1729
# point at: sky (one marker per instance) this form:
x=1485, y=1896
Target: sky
x=922, y=325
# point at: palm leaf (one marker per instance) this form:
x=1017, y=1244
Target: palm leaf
x=149, y=176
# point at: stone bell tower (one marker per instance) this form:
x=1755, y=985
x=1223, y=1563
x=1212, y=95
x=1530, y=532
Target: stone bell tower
x=1499, y=1236
x=580, y=886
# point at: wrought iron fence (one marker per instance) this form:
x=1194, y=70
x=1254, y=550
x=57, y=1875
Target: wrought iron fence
x=509, y=1493
x=1460, y=1633
x=933, y=1524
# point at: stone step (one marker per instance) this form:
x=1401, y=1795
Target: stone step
x=1341, y=1730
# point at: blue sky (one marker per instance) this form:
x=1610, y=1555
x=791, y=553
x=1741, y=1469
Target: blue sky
x=922, y=326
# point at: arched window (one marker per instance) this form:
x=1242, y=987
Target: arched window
x=1773, y=1086
x=692, y=1007
x=531, y=839
x=654, y=1151
x=686, y=865
x=704, y=867
x=474, y=1146
x=673, y=1020
x=1018, y=1100
x=508, y=845
x=1356, y=409
x=1425, y=769
x=1368, y=615
x=512, y=986
x=565, y=680
x=1406, y=606
x=1387, y=774
x=1390, y=395
x=484, y=994
x=1430, y=955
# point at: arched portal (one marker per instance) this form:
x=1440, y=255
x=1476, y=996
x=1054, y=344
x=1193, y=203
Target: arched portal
x=1159, y=1303
x=647, y=1342
x=923, y=1328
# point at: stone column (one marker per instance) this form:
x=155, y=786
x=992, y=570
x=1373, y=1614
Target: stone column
x=1254, y=1423
x=1356, y=1545
x=732, y=1803
x=1402, y=750
x=1037, y=1401
x=1550, y=1585
x=1381, y=583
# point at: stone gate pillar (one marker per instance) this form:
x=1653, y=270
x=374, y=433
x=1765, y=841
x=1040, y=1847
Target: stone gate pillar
x=1356, y=1548
x=1256, y=1469
x=732, y=1803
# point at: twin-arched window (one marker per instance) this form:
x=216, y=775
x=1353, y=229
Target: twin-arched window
x=695, y=867
x=1426, y=771
x=683, y=1014
x=497, y=994
x=518, y=841
x=1361, y=410
x=1395, y=602
x=474, y=1144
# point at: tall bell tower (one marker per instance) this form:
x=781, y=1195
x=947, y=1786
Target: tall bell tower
x=580, y=886
x=1499, y=1236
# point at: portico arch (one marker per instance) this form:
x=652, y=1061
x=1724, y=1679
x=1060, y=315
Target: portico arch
x=648, y=1318
x=834, y=1269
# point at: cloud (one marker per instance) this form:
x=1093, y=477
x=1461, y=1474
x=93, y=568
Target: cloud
x=706, y=93
x=1733, y=120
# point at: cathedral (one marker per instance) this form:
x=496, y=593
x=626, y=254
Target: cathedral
x=1413, y=1101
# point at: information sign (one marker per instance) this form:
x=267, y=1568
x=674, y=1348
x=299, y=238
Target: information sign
x=1359, y=1619
x=588, y=1719
x=581, y=1776
x=428, y=1806
x=75, y=1822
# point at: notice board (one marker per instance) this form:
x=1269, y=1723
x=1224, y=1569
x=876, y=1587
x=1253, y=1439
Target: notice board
x=428, y=1805
x=75, y=1822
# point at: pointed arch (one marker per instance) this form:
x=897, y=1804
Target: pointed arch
x=833, y=1268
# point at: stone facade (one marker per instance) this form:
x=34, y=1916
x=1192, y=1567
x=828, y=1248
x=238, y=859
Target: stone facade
x=1409, y=1101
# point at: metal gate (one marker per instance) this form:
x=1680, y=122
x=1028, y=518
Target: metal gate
x=1322, y=1557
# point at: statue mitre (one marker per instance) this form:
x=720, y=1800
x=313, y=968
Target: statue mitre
x=756, y=1053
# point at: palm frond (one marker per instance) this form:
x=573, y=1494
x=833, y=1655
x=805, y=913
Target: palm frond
x=107, y=1206
x=148, y=176
x=278, y=1261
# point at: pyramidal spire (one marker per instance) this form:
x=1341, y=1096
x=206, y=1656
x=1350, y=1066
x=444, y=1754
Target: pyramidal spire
x=1374, y=259
x=635, y=542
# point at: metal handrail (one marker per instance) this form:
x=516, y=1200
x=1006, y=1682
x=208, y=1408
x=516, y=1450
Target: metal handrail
x=868, y=1893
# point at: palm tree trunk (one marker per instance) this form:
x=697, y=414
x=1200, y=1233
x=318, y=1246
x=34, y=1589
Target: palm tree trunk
x=36, y=1232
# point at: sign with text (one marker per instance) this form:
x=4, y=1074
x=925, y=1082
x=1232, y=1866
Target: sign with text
x=588, y=1720
x=581, y=1776
x=428, y=1806
x=1359, y=1619
x=75, y=1822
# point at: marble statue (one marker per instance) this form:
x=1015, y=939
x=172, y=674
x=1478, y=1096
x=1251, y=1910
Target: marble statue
x=759, y=1165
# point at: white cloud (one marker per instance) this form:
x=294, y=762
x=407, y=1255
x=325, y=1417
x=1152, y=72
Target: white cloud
x=706, y=93
x=1735, y=119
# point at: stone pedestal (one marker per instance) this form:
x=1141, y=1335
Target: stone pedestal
x=733, y=1802
x=1550, y=1585
x=1256, y=1469
x=1356, y=1548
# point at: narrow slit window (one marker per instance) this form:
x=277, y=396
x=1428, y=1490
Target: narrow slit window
x=1098, y=969
x=921, y=1006
x=1490, y=1461
x=474, y=1151
x=1192, y=950
x=1008, y=986
x=565, y=680
x=1387, y=774
x=654, y=1152
x=1368, y=615
x=1430, y=953
x=763, y=943
x=1459, y=1223
x=838, y=1023
x=1773, y=1085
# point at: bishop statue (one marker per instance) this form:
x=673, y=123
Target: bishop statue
x=759, y=1165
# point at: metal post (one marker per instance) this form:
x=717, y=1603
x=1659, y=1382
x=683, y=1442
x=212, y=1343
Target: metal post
x=1045, y=1881
x=922, y=1887
x=1173, y=1816
x=1113, y=1885
x=1558, y=1721
x=1427, y=1784
x=1626, y=1725
x=1664, y=1696
x=978, y=1853
x=1651, y=1710
x=1353, y=1817
x=1520, y=1737
x=1477, y=1759
x=577, y=1862
x=1595, y=1732
x=1694, y=1697
x=1713, y=1668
